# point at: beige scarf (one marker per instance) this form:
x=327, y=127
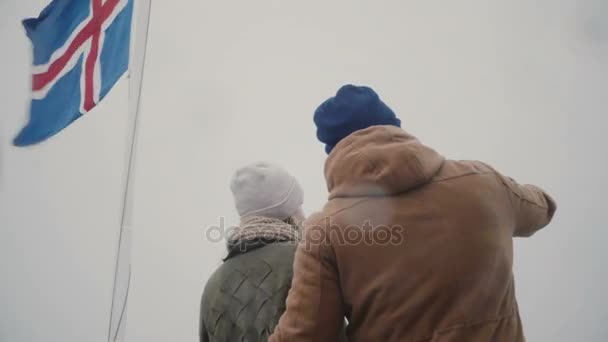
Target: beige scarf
x=264, y=229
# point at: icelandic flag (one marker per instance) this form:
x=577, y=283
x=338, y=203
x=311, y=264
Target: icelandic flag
x=80, y=50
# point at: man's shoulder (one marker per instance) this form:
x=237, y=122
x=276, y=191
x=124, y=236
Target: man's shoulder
x=335, y=207
x=454, y=169
x=335, y=213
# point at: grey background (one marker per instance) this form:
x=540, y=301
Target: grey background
x=518, y=84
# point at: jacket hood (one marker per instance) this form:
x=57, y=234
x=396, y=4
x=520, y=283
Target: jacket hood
x=379, y=161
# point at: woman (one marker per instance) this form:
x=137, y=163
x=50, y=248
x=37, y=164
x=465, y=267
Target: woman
x=244, y=299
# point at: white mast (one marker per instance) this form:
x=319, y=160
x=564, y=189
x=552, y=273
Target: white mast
x=122, y=271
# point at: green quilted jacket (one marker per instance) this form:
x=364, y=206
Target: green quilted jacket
x=244, y=299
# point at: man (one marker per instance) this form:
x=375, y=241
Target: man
x=410, y=246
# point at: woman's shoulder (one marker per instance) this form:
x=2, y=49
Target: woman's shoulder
x=268, y=269
x=270, y=257
x=274, y=254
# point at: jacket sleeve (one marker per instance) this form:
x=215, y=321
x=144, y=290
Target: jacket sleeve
x=202, y=330
x=203, y=337
x=314, y=309
x=533, y=208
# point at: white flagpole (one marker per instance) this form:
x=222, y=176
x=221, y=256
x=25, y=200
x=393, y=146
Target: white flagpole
x=122, y=271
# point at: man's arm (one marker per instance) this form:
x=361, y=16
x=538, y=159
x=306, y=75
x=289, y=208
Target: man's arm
x=314, y=304
x=533, y=207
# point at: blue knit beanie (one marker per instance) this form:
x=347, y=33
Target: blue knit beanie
x=352, y=109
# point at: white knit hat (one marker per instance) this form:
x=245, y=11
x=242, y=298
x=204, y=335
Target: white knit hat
x=264, y=189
